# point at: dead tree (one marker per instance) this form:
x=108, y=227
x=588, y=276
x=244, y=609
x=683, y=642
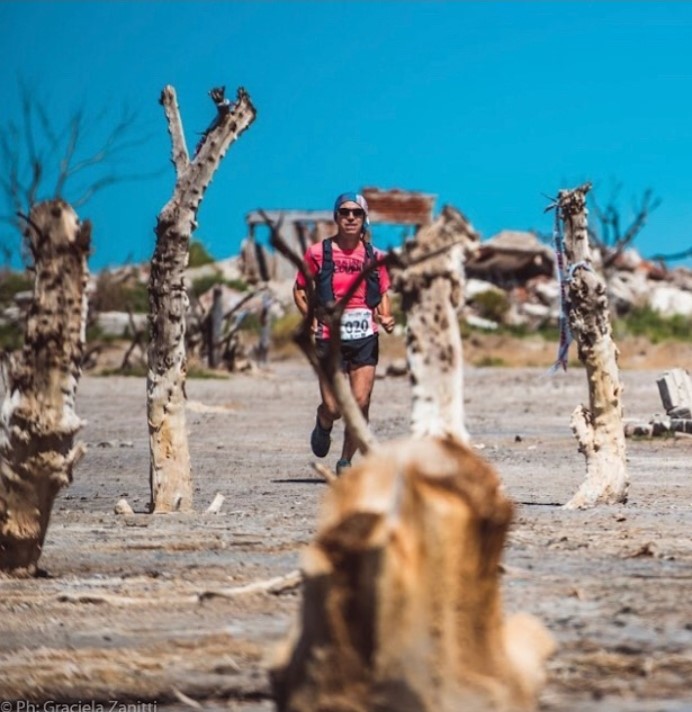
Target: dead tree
x=42, y=161
x=599, y=428
x=38, y=421
x=401, y=607
x=613, y=238
x=138, y=341
x=432, y=294
x=170, y=477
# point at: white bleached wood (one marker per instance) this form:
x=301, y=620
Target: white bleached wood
x=38, y=419
x=432, y=293
x=599, y=429
x=170, y=477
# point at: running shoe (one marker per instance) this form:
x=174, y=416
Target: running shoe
x=320, y=440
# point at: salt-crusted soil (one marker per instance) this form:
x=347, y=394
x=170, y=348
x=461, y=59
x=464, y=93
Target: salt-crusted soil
x=121, y=612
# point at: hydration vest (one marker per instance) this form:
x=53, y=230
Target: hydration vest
x=324, y=289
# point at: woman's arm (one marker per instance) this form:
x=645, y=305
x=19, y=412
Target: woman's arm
x=300, y=297
x=384, y=313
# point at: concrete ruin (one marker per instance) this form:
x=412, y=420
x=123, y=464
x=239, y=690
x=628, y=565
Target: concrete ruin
x=301, y=228
x=510, y=258
x=675, y=390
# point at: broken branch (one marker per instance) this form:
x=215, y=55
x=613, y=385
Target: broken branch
x=179, y=155
x=275, y=585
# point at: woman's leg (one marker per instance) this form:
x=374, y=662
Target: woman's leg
x=327, y=410
x=362, y=379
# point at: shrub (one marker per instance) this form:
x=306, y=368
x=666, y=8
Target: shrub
x=239, y=285
x=198, y=255
x=548, y=332
x=13, y=282
x=490, y=361
x=114, y=295
x=647, y=322
x=11, y=337
x=284, y=328
x=251, y=322
x=203, y=284
x=492, y=305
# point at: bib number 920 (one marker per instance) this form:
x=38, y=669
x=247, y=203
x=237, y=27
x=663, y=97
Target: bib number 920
x=356, y=324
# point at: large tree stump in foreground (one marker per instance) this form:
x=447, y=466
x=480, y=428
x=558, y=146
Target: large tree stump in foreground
x=402, y=609
x=599, y=428
x=38, y=421
x=169, y=475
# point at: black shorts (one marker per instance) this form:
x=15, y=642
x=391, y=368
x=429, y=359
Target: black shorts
x=354, y=352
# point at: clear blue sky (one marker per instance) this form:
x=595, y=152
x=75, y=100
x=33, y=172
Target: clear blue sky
x=489, y=105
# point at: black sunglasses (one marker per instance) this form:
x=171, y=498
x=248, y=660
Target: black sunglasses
x=356, y=212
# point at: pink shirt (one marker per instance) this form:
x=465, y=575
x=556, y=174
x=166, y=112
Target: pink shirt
x=347, y=266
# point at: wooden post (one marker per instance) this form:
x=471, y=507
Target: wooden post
x=170, y=478
x=599, y=429
x=215, y=328
x=38, y=420
x=265, y=330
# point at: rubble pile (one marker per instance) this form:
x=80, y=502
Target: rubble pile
x=520, y=266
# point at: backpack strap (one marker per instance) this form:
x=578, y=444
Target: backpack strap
x=373, y=296
x=324, y=290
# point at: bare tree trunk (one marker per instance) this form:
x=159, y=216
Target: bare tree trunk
x=432, y=292
x=38, y=422
x=170, y=477
x=599, y=428
x=401, y=601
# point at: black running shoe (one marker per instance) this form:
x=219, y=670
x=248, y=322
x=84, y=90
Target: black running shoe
x=320, y=440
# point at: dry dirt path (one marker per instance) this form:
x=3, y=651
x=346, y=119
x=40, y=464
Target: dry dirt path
x=118, y=615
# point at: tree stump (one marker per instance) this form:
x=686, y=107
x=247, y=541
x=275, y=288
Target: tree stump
x=431, y=295
x=599, y=429
x=402, y=609
x=38, y=421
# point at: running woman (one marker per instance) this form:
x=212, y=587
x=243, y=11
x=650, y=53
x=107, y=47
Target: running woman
x=334, y=264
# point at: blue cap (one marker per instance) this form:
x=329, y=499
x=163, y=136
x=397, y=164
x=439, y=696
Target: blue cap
x=352, y=198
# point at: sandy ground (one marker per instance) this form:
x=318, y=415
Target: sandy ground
x=118, y=614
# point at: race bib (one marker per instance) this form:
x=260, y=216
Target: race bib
x=356, y=324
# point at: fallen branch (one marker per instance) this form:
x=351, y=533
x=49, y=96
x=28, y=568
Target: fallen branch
x=276, y=585
x=187, y=700
x=119, y=601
